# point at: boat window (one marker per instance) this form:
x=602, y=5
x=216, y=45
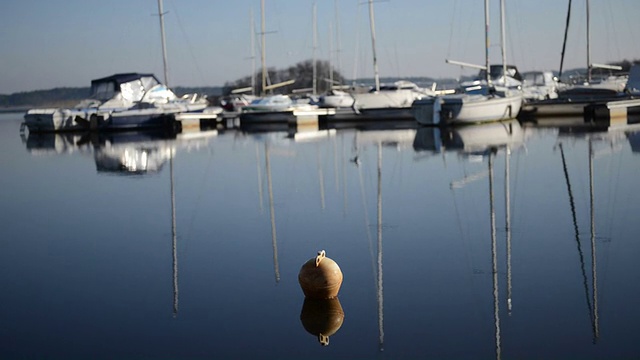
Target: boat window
x=534, y=78
x=103, y=91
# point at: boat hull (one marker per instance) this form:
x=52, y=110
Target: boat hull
x=52, y=120
x=466, y=109
x=479, y=108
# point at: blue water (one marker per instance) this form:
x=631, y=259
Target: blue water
x=87, y=245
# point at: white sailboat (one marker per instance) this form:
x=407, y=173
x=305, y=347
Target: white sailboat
x=387, y=101
x=572, y=99
x=336, y=96
x=482, y=101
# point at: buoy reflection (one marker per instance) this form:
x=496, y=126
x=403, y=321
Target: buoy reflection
x=322, y=318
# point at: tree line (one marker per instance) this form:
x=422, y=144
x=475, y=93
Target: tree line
x=301, y=73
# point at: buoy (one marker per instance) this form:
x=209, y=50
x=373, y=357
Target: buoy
x=320, y=277
x=322, y=318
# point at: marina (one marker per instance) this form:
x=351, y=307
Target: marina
x=329, y=183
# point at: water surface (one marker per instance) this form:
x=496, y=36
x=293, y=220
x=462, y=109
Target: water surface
x=500, y=241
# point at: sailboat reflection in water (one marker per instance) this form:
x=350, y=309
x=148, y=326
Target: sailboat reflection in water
x=127, y=154
x=482, y=141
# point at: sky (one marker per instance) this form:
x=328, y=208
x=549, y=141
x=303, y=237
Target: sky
x=67, y=43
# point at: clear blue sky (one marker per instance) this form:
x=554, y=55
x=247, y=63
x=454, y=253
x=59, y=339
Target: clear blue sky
x=49, y=43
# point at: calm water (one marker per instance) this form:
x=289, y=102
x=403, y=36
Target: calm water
x=438, y=261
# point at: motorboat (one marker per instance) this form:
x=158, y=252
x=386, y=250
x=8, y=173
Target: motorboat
x=539, y=85
x=121, y=102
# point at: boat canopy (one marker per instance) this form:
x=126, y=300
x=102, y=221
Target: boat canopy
x=496, y=72
x=132, y=86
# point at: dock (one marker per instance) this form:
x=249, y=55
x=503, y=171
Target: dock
x=614, y=113
x=282, y=120
x=189, y=120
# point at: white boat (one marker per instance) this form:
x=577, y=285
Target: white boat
x=539, y=85
x=472, y=108
x=478, y=102
x=336, y=99
x=278, y=113
x=117, y=102
x=400, y=94
x=126, y=101
x=495, y=96
x=386, y=101
x=275, y=103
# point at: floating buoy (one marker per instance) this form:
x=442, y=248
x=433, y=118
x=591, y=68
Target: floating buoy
x=320, y=277
x=322, y=318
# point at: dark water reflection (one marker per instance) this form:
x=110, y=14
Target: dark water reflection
x=501, y=241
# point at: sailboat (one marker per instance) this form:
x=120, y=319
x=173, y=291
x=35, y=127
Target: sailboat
x=387, y=101
x=273, y=109
x=493, y=98
x=336, y=96
x=573, y=98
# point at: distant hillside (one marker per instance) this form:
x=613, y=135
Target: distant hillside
x=52, y=97
x=65, y=97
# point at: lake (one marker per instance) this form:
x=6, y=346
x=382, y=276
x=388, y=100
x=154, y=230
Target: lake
x=505, y=241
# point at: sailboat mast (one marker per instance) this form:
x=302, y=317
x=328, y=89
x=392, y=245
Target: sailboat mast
x=315, y=45
x=164, y=47
x=253, y=54
x=507, y=197
x=596, y=330
x=174, y=239
x=486, y=40
x=380, y=293
x=274, y=243
x=338, y=45
x=588, y=44
x=330, y=55
x=564, y=42
x=263, y=55
x=503, y=41
x=373, y=46
x=494, y=261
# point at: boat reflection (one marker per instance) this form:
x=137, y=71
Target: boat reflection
x=126, y=153
x=470, y=140
x=483, y=142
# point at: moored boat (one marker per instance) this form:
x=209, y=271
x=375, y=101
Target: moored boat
x=120, y=102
